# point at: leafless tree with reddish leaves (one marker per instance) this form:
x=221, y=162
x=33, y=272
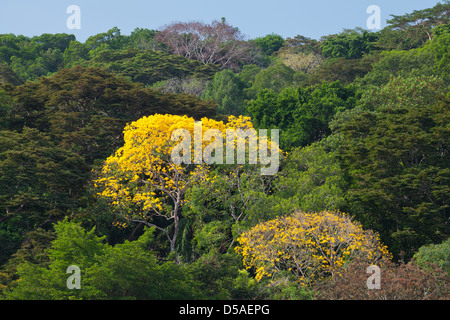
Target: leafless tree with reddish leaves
x=216, y=43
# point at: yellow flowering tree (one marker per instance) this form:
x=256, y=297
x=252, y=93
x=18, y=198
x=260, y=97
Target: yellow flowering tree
x=308, y=245
x=144, y=180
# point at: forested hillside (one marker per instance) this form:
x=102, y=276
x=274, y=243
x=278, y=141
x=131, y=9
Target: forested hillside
x=364, y=173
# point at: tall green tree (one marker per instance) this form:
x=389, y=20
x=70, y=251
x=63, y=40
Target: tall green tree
x=39, y=184
x=311, y=180
x=76, y=53
x=276, y=78
x=86, y=109
x=124, y=271
x=227, y=90
x=414, y=29
x=394, y=150
x=350, y=44
x=7, y=75
x=142, y=38
x=112, y=39
x=149, y=66
x=270, y=43
x=301, y=114
x=31, y=58
x=431, y=59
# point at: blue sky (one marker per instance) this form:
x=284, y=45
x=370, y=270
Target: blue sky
x=312, y=18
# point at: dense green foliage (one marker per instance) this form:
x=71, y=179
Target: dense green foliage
x=149, y=66
x=434, y=254
x=30, y=58
x=364, y=128
x=270, y=43
x=394, y=148
x=350, y=44
x=227, y=90
x=302, y=114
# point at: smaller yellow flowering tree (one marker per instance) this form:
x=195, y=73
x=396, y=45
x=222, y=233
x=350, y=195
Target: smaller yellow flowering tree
x=310, y=246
